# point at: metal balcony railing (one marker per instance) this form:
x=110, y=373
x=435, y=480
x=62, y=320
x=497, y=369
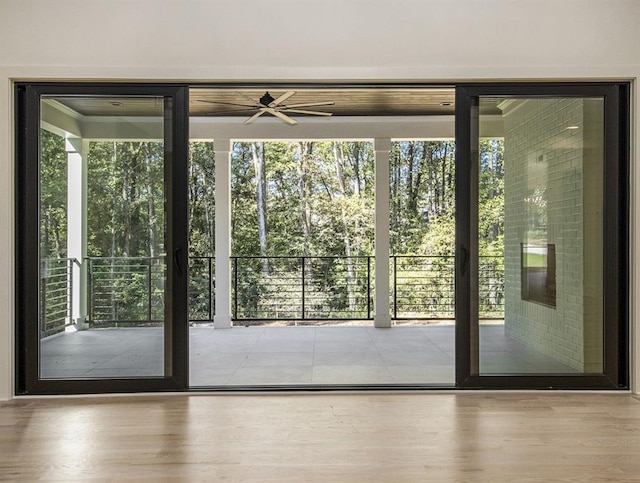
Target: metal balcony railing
x=202, y=288
x=130, y=291
x=423, y=287
x=125, y=290
x=339, y=288
x=302, y=288
x=56, y=289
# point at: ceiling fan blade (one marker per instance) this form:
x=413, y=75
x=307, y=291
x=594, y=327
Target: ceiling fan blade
x=282, y=98
x=231, y=111
x=228, y=103
x=255, y=116
x=313, y=113
x=284, y=117
x=310, y=104
x=247, y=97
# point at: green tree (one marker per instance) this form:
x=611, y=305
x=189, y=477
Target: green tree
x=53, y=196
x=201, y=199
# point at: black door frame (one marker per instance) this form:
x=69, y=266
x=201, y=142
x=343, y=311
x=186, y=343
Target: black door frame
x=615, y=231
x=616, y=364
x=176, y=337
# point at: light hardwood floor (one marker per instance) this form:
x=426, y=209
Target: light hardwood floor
x=328, y=437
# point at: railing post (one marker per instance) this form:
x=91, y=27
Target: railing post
x=369, y=287
x=89, y=289
x=70, y=289
x=395, y=286
x=235, y=287
x=149, y=289
x=210, y=291
x=303, y=286
x=43, y=300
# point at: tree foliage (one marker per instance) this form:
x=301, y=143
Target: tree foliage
x=53, y=196
x=297, y=199
x=319, y=199
x=125, y=199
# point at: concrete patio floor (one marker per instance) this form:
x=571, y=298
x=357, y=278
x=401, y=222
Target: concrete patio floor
x=304, y=355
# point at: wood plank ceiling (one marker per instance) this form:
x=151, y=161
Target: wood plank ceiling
x=348, y=101
x=232, y=101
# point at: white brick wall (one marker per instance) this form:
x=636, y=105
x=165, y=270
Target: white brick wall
x=570, y=332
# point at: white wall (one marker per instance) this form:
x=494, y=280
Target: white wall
x=414, y=40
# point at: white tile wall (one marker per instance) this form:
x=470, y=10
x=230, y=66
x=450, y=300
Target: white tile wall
x=570, y=332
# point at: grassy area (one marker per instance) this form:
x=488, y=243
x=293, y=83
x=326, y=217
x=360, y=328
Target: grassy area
x=535, y=260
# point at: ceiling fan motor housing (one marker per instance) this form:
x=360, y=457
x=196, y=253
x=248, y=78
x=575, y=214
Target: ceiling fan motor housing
x=266, y=99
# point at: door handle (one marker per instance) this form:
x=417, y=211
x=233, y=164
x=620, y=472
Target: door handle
x=177, y=260
x=464, y=259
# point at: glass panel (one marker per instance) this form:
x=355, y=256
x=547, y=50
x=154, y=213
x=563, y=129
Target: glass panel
x=422, y=247
x=540, y=234
x=102, y=245
x=201, y=231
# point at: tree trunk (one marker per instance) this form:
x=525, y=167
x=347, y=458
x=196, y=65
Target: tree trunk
x=151, y=206
x=443, y=180
x=112, y=279
x=210, y=228
x=304, y=188
x=124, y=193
x=257, y=151
x=357, y=158
x=395, y=204
x=410, y=193
x=431, y=189
x=339, y=161
x=194, y=183
x=415, y=180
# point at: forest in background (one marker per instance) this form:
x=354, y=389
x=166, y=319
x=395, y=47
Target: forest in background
x=303, y=198
x=288, y=199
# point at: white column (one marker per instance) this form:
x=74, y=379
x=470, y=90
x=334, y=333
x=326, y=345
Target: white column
x=382, y=317
x=77, y=150
x=222, y=317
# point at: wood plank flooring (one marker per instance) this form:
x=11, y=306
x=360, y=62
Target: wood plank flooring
x=328, y=437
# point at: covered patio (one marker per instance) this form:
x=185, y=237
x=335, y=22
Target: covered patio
x=291, y=356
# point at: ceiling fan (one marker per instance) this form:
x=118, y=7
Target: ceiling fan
x=269, y=105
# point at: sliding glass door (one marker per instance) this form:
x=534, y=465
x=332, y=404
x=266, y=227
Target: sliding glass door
x=541, y=193
x=102, y=238
x=540, y=261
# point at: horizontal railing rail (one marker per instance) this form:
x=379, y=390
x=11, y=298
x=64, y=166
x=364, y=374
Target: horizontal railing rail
x=202, y=287
x=491, y=286
x=423, y=287
x=56, y=289
x=125, y=290
x=301, y=288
